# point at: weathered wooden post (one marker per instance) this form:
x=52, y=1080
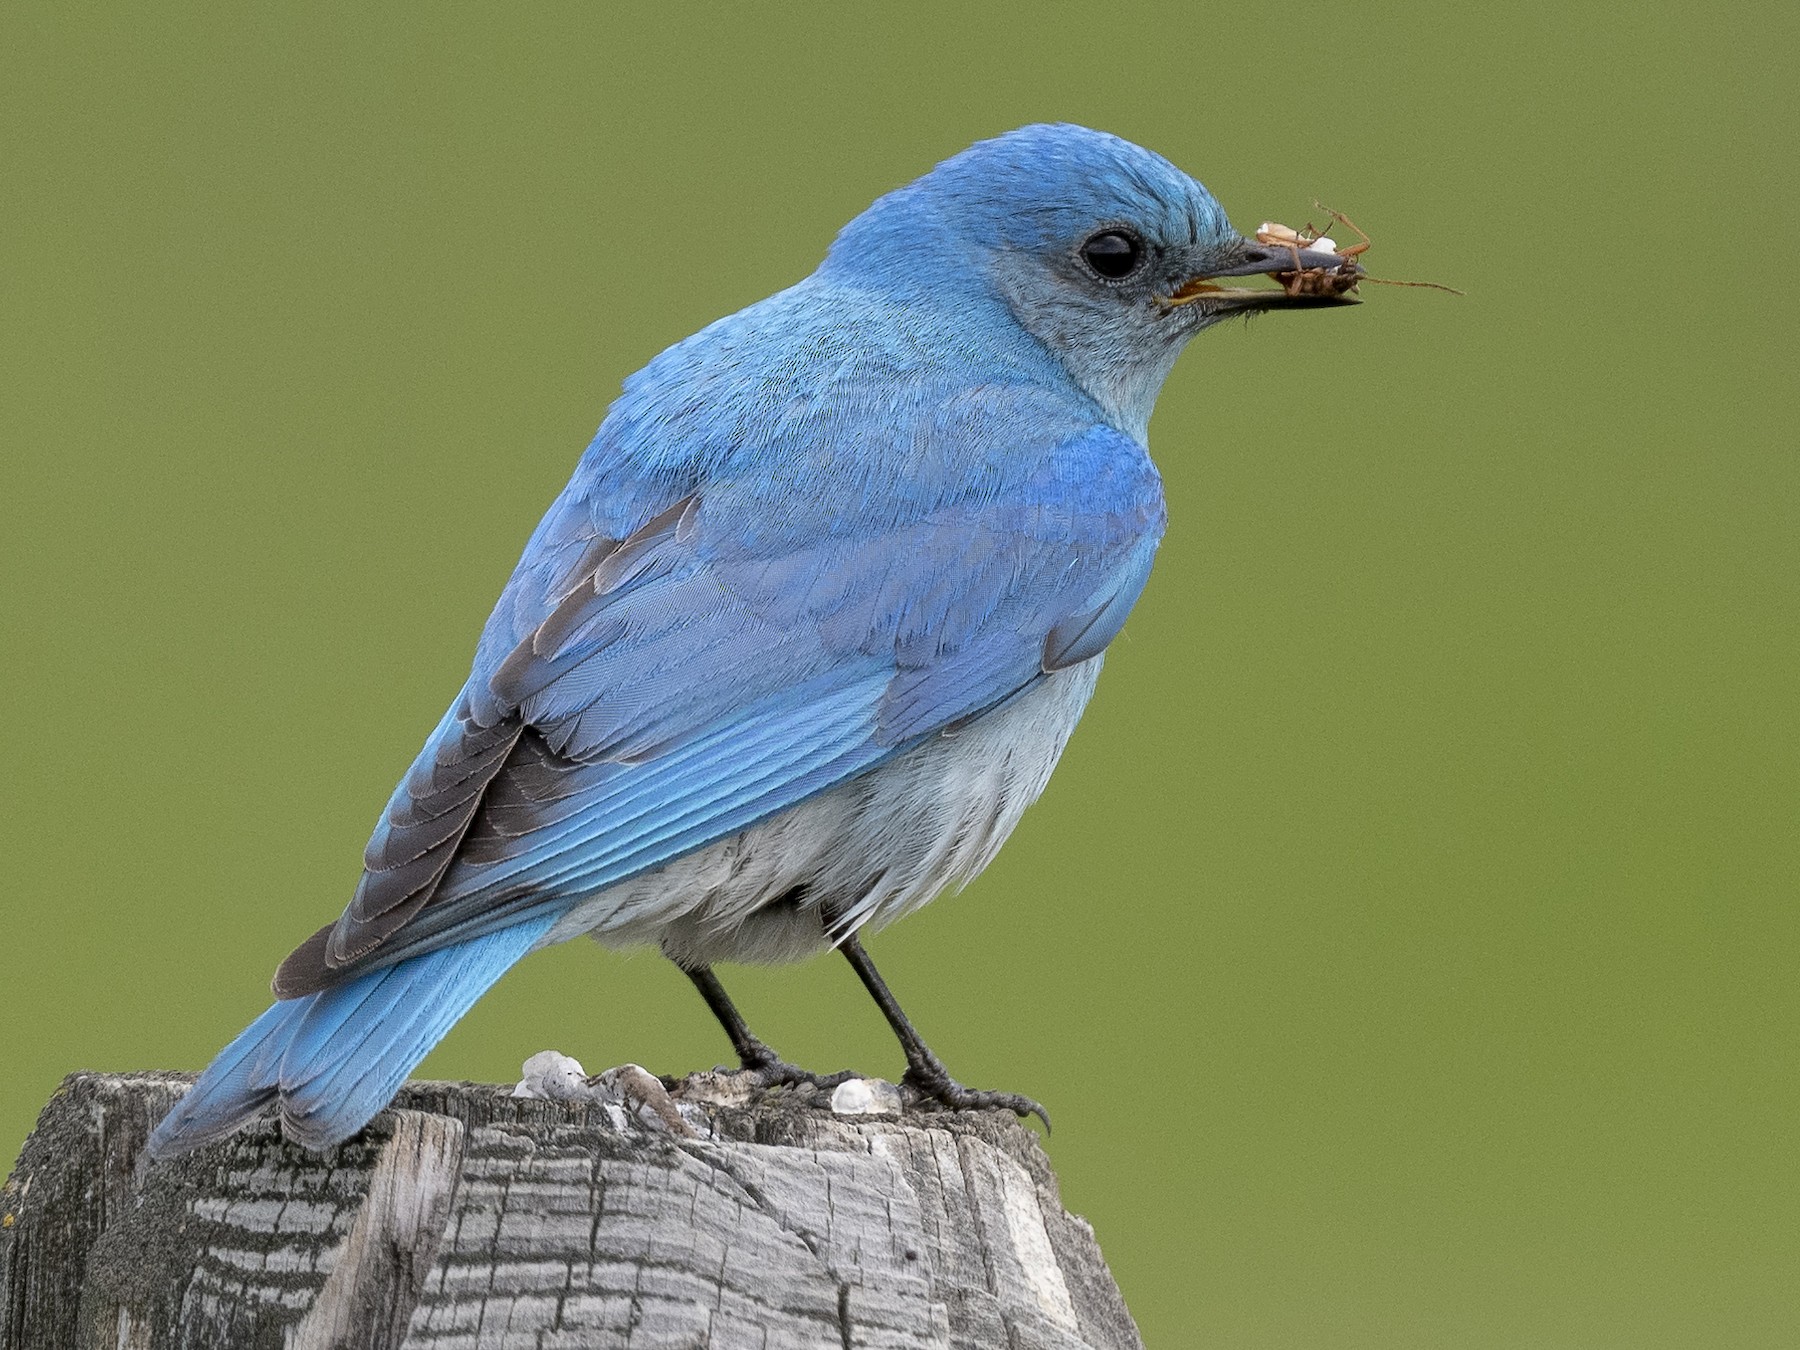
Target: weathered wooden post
x=467, y=1217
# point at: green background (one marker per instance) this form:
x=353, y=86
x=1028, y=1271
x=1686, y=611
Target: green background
x=1407, y=945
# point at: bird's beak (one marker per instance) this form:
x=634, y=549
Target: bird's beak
x=1310, y=279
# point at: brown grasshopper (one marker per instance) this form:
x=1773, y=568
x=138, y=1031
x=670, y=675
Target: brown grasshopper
x=1338, y=280
x=1299, y=280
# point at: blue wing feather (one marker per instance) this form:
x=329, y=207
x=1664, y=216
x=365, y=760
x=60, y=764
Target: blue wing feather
x=1083, y=636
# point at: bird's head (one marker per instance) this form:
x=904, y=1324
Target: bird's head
x=1107, y=253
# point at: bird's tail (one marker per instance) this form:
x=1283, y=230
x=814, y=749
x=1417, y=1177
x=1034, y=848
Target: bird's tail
x=335, y=1058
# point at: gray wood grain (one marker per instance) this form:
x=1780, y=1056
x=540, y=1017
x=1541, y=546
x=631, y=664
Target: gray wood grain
x=466, y=1219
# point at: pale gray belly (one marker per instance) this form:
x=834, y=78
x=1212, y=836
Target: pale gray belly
x=865, y=852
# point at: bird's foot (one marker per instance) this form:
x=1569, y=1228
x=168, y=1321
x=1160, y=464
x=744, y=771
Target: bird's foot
x=931, y=1083
x=769, y=1070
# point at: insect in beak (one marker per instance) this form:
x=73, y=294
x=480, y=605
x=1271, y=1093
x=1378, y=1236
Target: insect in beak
x=1312, y=269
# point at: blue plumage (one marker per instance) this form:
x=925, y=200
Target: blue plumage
x=333, y=1059
x=803, y=635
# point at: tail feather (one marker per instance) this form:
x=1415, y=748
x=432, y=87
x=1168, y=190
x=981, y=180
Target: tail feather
x=335, y=1058
x=234, y=1087
x=393, y=1033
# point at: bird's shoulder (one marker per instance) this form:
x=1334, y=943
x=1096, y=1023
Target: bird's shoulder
x=827, y=382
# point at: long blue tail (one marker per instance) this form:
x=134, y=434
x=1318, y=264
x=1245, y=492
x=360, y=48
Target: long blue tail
x=335, y=1058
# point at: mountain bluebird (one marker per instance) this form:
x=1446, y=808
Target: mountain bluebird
x=804, y=635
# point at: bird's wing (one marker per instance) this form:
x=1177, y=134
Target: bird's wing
x=676, y=684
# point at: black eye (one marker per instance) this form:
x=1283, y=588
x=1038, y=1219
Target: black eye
x=1113, y=254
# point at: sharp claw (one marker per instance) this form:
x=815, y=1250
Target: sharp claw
x=949, y=1093
x=1025, y=1106
x=779, y=1073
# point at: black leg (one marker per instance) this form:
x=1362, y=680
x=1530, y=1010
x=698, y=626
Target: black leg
x=925, y=1073
x=751, y=1052
x=755, y=1057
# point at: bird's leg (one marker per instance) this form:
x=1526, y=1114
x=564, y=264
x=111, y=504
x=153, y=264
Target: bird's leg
x=751, y=1052
x=757, y=1059
x=925, y=1072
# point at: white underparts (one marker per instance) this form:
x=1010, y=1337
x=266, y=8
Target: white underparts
x=867, y=851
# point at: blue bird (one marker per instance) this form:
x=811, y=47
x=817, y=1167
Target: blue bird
x=804, y=635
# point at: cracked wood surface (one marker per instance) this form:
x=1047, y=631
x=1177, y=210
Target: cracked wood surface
x=466, y=1219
